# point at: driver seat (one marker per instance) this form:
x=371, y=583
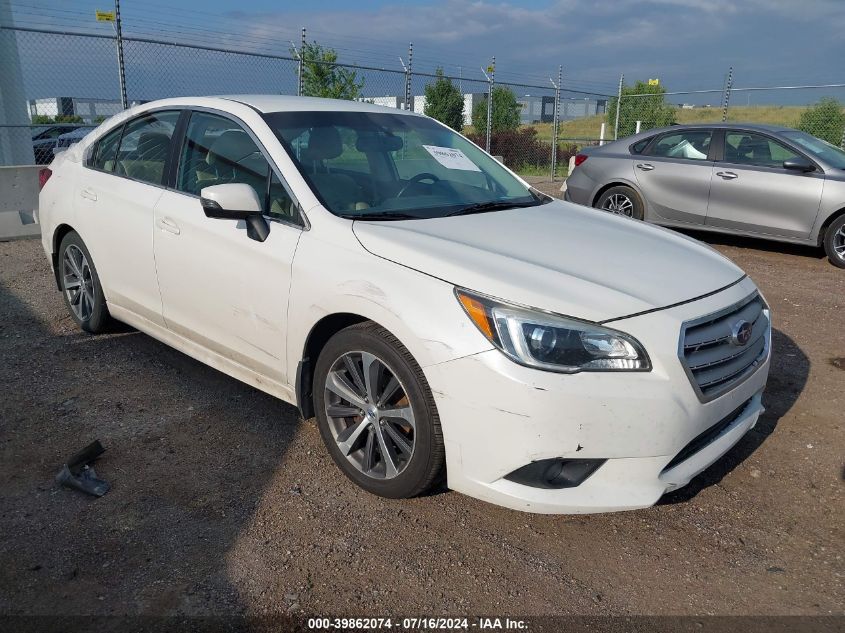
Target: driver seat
x=339, y=191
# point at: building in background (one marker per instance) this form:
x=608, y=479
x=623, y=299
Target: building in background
x=90, y=110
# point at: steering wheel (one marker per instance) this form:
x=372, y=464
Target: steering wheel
x=415, y=180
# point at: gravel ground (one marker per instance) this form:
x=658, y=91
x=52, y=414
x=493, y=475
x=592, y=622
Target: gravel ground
x=224, y=502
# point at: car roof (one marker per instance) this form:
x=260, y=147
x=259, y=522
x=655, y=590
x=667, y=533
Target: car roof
x=287, y=103
x=728, y=125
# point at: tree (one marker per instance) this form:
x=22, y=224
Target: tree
x=505, y=111
x=322, y=77
x=651, y=110
x=42, y=119
x=444, y=102
x=68, y=118
x=825, y=120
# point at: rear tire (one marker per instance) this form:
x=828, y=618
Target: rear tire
x=834, y=242
x=621, y=200
x=383, y=432
x=80, y=285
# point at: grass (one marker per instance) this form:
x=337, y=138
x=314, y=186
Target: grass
x=589, y=127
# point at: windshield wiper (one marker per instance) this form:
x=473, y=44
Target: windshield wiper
x=492, y=205
x=386, y=215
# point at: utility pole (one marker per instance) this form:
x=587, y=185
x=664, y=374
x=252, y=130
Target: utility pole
x=121, y=72
x=618, y=107
x=727, y=94
x=491, y=78
x=556, y=124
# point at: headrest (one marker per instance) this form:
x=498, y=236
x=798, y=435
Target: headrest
x=153, y=145
x=323, y=143
x=230, y=147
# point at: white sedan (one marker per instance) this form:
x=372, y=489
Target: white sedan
x=441, y=319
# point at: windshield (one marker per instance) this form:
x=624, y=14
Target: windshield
x=818, y=148
x=377, y=165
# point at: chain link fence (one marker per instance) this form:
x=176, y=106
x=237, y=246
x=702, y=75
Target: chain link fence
x=70, y=82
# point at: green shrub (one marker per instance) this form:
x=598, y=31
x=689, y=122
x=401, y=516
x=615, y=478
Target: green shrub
x=825, y=120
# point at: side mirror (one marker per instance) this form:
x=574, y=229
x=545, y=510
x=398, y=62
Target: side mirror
x=236, y=201
x=799, y=163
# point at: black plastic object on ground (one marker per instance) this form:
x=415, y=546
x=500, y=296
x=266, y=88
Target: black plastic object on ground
x=78, y=473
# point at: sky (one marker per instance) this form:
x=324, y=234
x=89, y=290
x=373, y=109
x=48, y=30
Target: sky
x=687, y=44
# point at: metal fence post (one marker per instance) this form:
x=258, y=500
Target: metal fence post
x=301, y=86
x=121, y=70
x=490, y=79
x=727, y=94
x=408, y=71
x=556, y=123
x=618, y=107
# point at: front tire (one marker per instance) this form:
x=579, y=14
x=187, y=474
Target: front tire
x=376, y=413
x=80, y=285
x=834, y=242
x=621, y=200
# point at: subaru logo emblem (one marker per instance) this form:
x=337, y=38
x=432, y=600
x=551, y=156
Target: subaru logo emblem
x=741, y=333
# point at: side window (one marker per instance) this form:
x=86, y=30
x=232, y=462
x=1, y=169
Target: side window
x=105, y=152
x=280, y=204
x=217, y=151
x=145, y=146
x=690, y=144
x=639, y=146
x=748, y=148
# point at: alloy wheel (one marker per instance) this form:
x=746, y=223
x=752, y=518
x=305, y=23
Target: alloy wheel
x=370, y=415
x=78, y=282
x=620, y=204
x=839, y=243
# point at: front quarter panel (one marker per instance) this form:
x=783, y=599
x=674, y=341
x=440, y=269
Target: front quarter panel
x=334, y=274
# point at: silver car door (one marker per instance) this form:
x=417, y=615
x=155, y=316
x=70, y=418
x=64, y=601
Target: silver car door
x=674, y=176
x=752, y=192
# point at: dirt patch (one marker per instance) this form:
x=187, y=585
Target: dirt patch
x=224, y=502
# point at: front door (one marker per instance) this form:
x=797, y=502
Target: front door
x=752, y=192
x=219, y=288
x=674, y=175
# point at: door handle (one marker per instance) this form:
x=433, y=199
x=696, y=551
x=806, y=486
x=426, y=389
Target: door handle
x=166, y=224
x=88, y=194
x=645, y=166
x=726, y=175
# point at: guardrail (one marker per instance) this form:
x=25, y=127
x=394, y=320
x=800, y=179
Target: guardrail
x=19, y=202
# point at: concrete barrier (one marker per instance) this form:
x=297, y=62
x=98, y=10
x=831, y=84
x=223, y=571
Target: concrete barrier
x=19, y=202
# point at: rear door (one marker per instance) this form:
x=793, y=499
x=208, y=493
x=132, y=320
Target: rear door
x=115, y=196
x=752, y=192
x=674, y=174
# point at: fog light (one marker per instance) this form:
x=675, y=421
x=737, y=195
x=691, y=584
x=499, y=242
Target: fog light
x=555, y=473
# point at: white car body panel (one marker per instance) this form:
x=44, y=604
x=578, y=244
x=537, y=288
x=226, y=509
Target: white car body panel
x=247, y=308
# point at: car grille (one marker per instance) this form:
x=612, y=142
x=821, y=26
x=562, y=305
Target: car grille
x=715, y=361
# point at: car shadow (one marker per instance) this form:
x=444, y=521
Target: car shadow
x=189, y=452
x=788, y=374
x=755, y=243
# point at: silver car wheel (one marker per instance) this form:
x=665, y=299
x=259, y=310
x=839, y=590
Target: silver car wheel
x=839, y=243
x=370, y=415
x=619, y=204
x=78, y=282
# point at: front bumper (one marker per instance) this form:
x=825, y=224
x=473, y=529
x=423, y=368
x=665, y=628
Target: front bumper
x=498, y=416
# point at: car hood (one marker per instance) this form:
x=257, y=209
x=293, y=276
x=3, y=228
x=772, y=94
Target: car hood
x=558, y=256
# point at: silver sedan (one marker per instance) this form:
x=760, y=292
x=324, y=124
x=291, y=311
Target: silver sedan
x=756, y=180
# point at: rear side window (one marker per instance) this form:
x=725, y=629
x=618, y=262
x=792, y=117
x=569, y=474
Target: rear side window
x=105, y=152
x=145, y=146
x=690, y=144
x=639, y=146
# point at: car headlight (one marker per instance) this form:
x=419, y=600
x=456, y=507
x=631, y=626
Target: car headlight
x=554, y=343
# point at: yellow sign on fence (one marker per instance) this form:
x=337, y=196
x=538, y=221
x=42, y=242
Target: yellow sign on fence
x=653, y=82
x=105, y=16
